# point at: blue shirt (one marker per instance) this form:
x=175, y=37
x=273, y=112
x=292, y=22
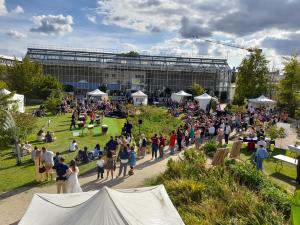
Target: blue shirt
x=61, y=170
x=261, y=153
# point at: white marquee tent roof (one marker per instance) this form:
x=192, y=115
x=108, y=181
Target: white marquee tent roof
x=204, y=97
x=19, y=100
x=182, y=93
x=139, y=94
x=143, y=206
x=96, y=93
x=262, y=100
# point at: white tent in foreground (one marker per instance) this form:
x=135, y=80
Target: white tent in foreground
x=179, y=96
x=97, y=93
x=139, y=98
x=204, y=100
x=142, y=206
x=19, y=100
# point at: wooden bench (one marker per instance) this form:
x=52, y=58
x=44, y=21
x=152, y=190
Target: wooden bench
x=283, y=158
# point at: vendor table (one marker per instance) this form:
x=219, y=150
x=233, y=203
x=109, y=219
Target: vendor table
x=252, y=141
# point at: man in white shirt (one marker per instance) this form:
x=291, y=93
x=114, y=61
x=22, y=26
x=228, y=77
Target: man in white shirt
x=227, y=131
x=48, y=162
x=73, y=146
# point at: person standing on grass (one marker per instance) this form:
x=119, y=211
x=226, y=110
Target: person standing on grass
x=124, y=156
x=92, y=117
x=260, y=155
x=227, y=131
x=162, y=144
x=100, y=167
x=61, y=176
x=154, y=146
x=172, y=142
x=48, y=162
x=73, y=121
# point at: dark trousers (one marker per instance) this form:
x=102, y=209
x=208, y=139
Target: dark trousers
x=123, y=167
x=226, y=138
x=187, y=141
x=72, y=125
x=179, y=144
x=100, y=170
x=154, y=151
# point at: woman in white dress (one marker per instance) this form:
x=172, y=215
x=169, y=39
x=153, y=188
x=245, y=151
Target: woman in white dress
x=73, y=185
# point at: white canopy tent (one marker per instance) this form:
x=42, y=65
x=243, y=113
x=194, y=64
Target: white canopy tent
x=179, y=96
x=261, y=101
x=19, y=100
x=139, y=98
x=97, y=93
x=204, y=100
x=143, y=206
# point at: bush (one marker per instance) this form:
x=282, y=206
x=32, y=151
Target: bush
x=210, y=147
x=232, y=194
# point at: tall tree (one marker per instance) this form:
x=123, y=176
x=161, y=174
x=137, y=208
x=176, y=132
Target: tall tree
x=21, y=75
x=288, y=91
x=252, y=78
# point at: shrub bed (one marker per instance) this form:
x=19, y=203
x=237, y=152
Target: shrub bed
x=231, y=194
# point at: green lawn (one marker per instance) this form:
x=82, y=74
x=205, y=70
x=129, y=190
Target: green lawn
x=12, y=176
x=284, y=176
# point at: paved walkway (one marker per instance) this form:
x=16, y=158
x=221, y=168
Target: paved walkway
x=12, y=208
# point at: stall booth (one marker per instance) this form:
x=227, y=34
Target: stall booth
x=139, y=98
x=18, y=103
x=261, y=101
x=97, y=93
x=204, y=100
x=179, y=96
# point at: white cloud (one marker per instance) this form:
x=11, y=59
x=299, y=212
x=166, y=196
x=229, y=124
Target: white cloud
x=53, y=24
x=16, y=34
x=3, y=9
x=93, y=19
x=18, y=10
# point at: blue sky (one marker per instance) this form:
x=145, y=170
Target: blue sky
x=165, y=27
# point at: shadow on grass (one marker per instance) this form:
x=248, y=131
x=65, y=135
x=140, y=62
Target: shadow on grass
x=291, y=181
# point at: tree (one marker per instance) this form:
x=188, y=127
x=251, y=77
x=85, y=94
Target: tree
x=21, y=75
x=131, y=54
x=53, y=101
x=103, y=88
x=44, y=86
x=3, y=84
x=288, y=90
x=197, y=89
x=252, y=78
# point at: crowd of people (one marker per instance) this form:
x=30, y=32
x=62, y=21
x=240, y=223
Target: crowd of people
x=199, y=126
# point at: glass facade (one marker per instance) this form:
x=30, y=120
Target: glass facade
x=151, y=74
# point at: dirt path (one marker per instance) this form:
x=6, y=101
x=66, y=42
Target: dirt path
x=12, y=208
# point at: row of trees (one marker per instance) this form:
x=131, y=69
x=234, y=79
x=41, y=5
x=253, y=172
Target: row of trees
x=253, y=80
x=27, y=78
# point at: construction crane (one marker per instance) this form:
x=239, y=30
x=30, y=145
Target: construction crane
x=231, y=45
